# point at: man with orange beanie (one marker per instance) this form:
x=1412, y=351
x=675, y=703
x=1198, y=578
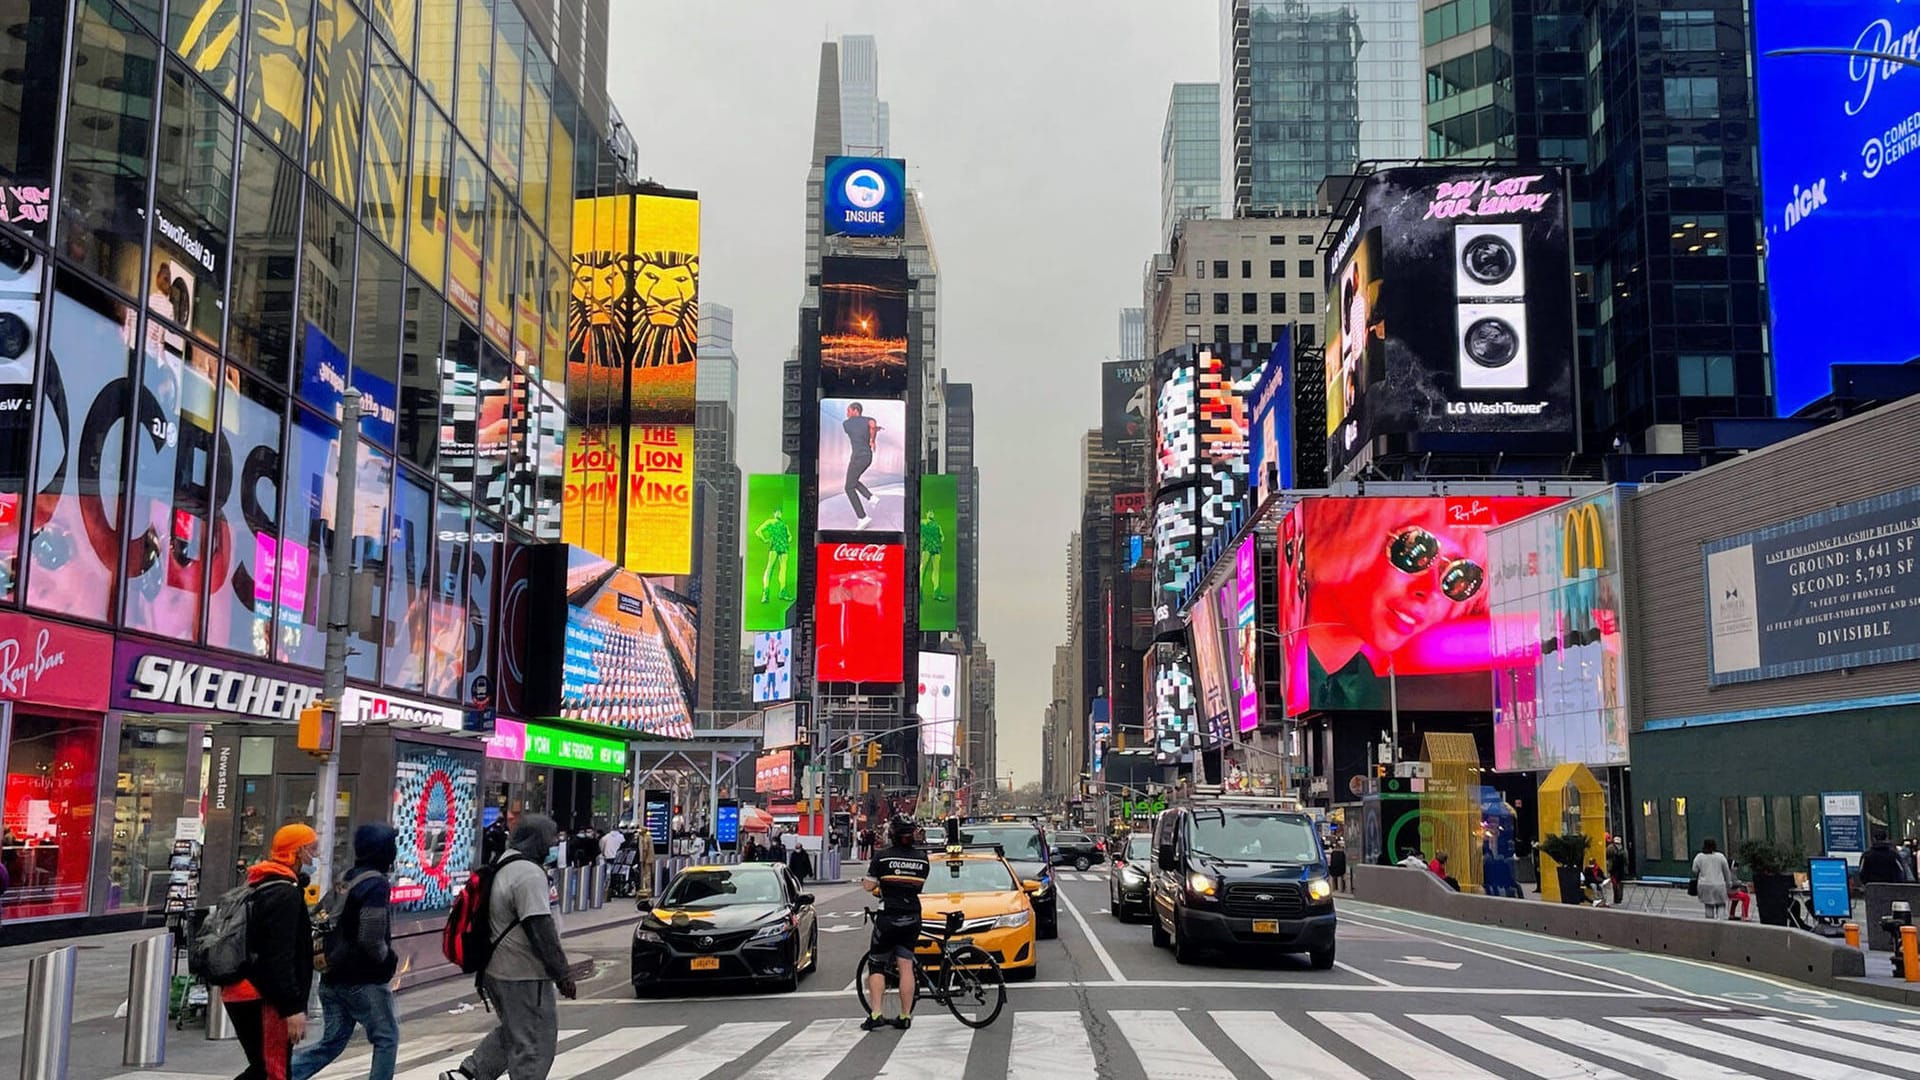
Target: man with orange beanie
x=269, y=1006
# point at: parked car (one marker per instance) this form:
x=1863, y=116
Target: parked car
x=1077, y=849
x=1237, y=875
x=744, y=923
x=1127, y=874
x=1026, y=847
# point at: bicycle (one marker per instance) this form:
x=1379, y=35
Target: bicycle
x=967, y=979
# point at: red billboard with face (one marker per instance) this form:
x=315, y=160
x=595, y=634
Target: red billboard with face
x=858, y=611
x=1381, y=590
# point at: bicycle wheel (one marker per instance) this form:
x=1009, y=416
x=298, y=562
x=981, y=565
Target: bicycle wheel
x=974, y=988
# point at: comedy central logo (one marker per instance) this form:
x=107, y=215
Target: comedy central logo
x=865, y=188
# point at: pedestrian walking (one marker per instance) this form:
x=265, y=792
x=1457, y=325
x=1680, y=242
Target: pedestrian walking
x=268, y=1006
x=527, y=966
x=1883, y=863
x=1336, y=866
x=1712, y=878
x=800, y=864
x=611, y=842
x=1617, y=868
x=359, y=961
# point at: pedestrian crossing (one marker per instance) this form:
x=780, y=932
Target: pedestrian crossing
x=1198, y=1044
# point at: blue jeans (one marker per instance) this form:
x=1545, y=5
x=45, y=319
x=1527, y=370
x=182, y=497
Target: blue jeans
x=343, y=1006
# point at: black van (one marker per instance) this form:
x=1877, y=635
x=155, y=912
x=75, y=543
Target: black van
x=1231, y=875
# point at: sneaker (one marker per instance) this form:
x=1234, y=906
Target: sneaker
x=903, y=1022
x=456, y=1074
x=871, y=1023
x=865, y=522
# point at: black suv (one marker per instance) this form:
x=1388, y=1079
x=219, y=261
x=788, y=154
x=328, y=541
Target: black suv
x=1233, y=876
x=1025, y=846
x=1077, y=849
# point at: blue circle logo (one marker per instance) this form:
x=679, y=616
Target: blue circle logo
x=865, y=188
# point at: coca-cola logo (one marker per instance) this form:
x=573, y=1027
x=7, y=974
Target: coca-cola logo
x=875, y=554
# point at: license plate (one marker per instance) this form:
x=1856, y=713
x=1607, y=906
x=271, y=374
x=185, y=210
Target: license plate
x=706, y=963
x=1260, y=926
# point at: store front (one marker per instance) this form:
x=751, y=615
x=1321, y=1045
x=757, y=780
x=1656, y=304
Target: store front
x=580, y=779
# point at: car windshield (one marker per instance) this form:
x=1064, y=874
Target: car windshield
x=723, y=888
x=970, y=876
x=1016, y=841
x=1274, y=837
x=1139, y=848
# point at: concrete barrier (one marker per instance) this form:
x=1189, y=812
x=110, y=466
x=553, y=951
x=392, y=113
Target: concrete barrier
x=1771, y=950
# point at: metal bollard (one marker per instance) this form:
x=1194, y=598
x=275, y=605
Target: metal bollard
x=597, y=885
x=571, y=881
x=44, y=1043
x=219, y=1024
x=1853, y=935
x=149, y=981
x=1910, y=952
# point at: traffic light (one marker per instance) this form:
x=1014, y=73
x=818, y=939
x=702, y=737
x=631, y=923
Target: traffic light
x=873, y=753
x=1380, y=772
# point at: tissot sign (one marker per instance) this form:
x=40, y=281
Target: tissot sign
x=370, y=707
x=158, y=678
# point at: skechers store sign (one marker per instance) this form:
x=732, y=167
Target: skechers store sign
x=1836, y=589
x=158, y=679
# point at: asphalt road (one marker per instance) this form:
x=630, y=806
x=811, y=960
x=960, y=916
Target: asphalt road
x=1412, y=996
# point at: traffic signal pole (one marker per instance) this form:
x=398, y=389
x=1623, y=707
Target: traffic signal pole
x=339, y=597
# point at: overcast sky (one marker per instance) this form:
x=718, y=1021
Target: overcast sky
x=1032, y=128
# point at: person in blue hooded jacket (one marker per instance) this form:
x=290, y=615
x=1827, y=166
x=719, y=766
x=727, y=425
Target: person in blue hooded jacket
x=355, y=987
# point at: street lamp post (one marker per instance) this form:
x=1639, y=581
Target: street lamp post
x=1393, y=686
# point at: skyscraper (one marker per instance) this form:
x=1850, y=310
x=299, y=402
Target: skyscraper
x=863, y=116
x=958, y=460
x=983, y=734
x=717, y=524
x=1189, y=157
x=1133, y=334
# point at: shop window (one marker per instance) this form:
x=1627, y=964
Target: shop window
x=32, y=54
x=299, y=801
x=494, y=443
x=172, y=490
x=73, y=553
x=339, y=68
x=21, y=280
x=1907, y=824
x=459, y=404
x=1650, y=831
x=436, y=811
x=1677, y=828
x=366, y=617
x=277, y=50
x=308, y=526
x=423, y=323
x=383, y=187
x=446, y=664
x=266, y=213
x=1756, y=823
x=379, y=304
x=1810, y=841
x=53, y=772
x=1781, y=808
x=193, y=207
x=1730, y=824
x=326, y=301
x=250, y=563
x=103, y=201
x=409, y=583
x=427, y=194
x=149, y=795
x=1879, y=812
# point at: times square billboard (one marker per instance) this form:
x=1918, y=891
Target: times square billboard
x=1200, y=446
x=1450, y=314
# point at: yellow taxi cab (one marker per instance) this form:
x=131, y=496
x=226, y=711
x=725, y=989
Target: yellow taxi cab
x=993, y=902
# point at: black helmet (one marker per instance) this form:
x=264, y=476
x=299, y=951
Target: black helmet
x=903, y=830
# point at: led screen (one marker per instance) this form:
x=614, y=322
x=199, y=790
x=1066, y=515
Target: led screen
x=773, y=774
x=858, y=591
x=863, y=196
x=630, y=648
x=1174, y=423
x=1246, y=596
x=863, y=465
x=1174, y=706
x=938, y=707
x=772, y=557
x=780, y=726
x=436, y=811
x=863, y=325
x=772, y=666
x=1270, y=407
x=1124, y=393
x=939, y=553
x=1176, y=545
x=1391, y=587
x=1215, y=698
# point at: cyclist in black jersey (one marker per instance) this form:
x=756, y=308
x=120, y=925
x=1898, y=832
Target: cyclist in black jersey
x=896, y=876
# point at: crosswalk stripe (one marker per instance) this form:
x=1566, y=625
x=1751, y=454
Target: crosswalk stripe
x=1536, y=1058
x=1279, y=1050
x=1166, y=1049
x=1867, y=1029
x=810, y=1055
x=1050, y=1046
x=1747, y=1050
x=433, y=1067
x=934, y=1048
x=607, y=1049
x=708, y=1053
x=1816, y=1040
x=346, y=1067
x=1399, y=1049
x=1640, y=1055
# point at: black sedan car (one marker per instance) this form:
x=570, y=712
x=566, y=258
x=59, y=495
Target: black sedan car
x=1127, y=877
x=1025, y=846
x=1076, y=849
x=746, y=923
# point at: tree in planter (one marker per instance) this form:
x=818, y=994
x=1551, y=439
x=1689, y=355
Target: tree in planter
x=1771, y=867
x=1569, y=853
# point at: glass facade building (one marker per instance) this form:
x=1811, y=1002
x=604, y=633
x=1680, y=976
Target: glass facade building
x=1189, y=157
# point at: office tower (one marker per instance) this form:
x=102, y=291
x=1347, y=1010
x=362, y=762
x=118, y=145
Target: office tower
x=983, y=730
x=1189, y=157
x=1239, y=280
x=1133, y=334
x=864, y=117
x=721, y=683
x=958, y=460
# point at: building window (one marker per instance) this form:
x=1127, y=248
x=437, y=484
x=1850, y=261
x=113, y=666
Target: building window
x=1701, y=305
x=53, y=769
x=1220, y=334
x=1199, y=268
x=1698, y=234
x=1650, y=829
x=1220, y=268
x=1306, y=269
x=1192, y=304
x=1249, y=303
x=1276, y=241
x=1307, y=240
x=1303, y=334
x=1277, y=302
x=1696, y=166
x=1706, y=375
x=1692, y=98
x=1193, y=332
x=1277, y=268
x=1246, y=268
x=1250, y=334
x=1306, y=303
x=1686, y=31
x=1220, y=303
x=1275, y=331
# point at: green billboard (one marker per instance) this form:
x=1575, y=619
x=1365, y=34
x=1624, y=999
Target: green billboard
x=573, y=750
x=772, y=556
x=939, y=552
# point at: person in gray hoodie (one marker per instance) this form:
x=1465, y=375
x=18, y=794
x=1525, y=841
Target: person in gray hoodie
x=355, y=982
x=526, y=968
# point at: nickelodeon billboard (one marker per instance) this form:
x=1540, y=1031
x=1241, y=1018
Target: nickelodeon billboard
x=632, y=340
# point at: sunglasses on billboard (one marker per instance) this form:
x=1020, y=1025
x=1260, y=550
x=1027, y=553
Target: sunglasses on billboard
x=1414, y=550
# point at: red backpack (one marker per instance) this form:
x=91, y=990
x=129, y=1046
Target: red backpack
x=468, y=941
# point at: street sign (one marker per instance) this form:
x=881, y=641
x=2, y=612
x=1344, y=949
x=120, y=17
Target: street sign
x=1421, y=769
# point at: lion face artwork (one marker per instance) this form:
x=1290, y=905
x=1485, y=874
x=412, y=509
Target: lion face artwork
x=666, y=285
x=601, y=317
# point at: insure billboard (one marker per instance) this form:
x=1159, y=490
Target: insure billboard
x=859, y=592
x=939, y=552
x=1377, y=590
x=1840, y=175
x=862, y=462
x=864, y=196
x=863, y=325
x=938, y=707
x=1830, y=590
x=1450, y=310
x=772, y=666
x=629, y=651
x=772, y=551
x=1270, y=453
x=1559, y=660
x=1124, y=396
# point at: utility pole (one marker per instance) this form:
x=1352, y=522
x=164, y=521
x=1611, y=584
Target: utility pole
x=339, y=597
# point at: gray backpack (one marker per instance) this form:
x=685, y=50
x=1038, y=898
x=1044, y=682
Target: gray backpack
x=221, y=954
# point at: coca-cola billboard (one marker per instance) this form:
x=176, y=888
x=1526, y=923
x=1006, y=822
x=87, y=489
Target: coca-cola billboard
x=859, y=594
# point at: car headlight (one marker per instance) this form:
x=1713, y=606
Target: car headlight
x=1132, y=873
x=1014, y=921
x=772, y=931
x=1319, y=888
x=647, y=936
x=1201, y=883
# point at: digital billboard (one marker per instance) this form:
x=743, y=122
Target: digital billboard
x=1172, y=704
x=773, y=773
x=939, y=552
x=436, y=814
x=780, y=726
x=1210, y=665
x=862, y=464
x=1450, y=310
x=1839, y=174
x=1246, y=618
x=1176, y=546
x=1380, y=590
x=1559, y=661
x=1175, y=424
x=1270, y=453
x=863, y=325
x=659, y=498
x=772, y=557
x=772, y=666
x=859, y=592
x=938, y=708
x=1124, y=396
x=864, y=196
x=630, y=649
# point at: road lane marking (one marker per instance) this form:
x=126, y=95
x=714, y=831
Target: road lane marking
x=1747, y=1050
x=1868, y=1029
x=1050, y=1046
x=1514, y=962
x=1280, y=1051
x=1399, y=1049
x=608, y=1049
x=813, y=1054
x=412, y=1050
x=1167, y=1050
x=1537, y=1058
x=1640, y=1055
x=1099, y=950
x=1021, y=989
x=714, y=1050
x=935, y=1048
x=1775, y=1028
x=1369, y=976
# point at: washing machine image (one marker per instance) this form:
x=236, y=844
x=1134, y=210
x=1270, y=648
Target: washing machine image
x=1492, y=341
x=1489, y=263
